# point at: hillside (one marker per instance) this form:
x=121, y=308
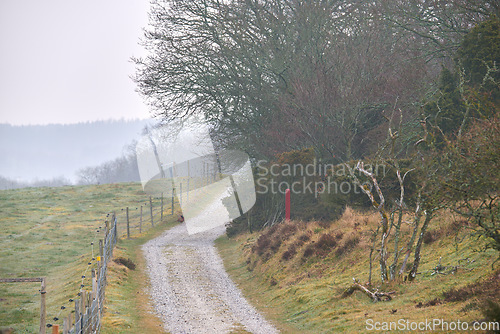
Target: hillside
x=54, y=233
x=299, y=274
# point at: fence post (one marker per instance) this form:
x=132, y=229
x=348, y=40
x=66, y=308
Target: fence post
x=42, y=306
x=106, y=228
x=172, y=212
x=115, y=226
x=128, y=226
x=140, y=222
x=77, y=315
x=287, y=204
x=203, y=174
x=88, y=306
x=161, y=213
x=180, y=193
x=151, y=210
x=101, y=251
x=83, y=300
x=93, y=300
x=67, y=324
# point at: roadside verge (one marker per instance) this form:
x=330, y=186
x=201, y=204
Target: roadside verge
x=128, y=308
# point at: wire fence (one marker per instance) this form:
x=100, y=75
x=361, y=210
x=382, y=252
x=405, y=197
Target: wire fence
x=89, y=305
x=142, y=216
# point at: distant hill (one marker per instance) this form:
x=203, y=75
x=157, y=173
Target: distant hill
x=41, y=152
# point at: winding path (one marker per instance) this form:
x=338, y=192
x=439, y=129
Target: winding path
x=191, y=291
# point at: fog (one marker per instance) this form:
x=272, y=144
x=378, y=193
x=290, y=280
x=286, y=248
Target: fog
x=41, y=152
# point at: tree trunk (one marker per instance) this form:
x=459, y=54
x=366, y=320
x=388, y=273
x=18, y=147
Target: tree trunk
x=416, y=262
x=383, y=258
x=393, y=266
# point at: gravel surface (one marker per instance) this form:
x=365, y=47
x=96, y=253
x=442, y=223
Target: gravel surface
x=190, y=289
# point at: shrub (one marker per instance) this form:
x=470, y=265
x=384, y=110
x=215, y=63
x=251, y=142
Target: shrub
x=305, y=237
x=287, y=230
x=326, y=242
x=348, y=246
x=289, y=253
x=261, y=245
x=308, y=252
x=125, y=262
x=492, y=312
x=457, y=295
x=430, y=237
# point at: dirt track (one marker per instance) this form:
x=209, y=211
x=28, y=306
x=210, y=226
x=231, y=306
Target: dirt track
x=190, y=289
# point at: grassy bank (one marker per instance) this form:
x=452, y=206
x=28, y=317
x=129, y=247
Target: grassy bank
x=128, y=308
x=48, y=232
x=297, y=275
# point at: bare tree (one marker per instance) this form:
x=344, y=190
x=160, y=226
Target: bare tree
x=277, y=75
x=394, y=210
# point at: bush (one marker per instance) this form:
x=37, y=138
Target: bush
x=289, y=253
x=125, y=262
x=348, y=246
x=308, y=252
x=325, y=244
x=430, y=237
x=492, y=312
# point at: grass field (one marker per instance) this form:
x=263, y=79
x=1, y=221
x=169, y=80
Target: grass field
x=47, y=232
x=302, y=293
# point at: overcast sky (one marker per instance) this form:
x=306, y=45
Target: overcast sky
x=66, y=61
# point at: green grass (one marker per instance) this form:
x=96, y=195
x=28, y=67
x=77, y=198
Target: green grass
x=304, y=295
x=48, y=232
x=128, y=308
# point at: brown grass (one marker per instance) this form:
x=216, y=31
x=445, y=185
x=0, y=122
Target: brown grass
x=302, y=279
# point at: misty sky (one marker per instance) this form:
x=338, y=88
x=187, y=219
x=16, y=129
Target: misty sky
x=66, y=61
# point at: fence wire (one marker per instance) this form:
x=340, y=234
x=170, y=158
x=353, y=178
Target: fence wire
x=89, y=306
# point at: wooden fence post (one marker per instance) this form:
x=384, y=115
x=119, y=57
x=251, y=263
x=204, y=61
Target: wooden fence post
x=101, y=251
x=55, y=329
x=43, y=311
x=180, y=193
x=67, y=323
x=93, y=301
x=189, y=176
x=83, y=301
x=151, y=210
x=161, y=213
x=106, y=228
x=115, y=226
x=43, y=291
x=140, y=222
x=287, y=204
x=128, y=226
x=172, y=212
x=77, y=315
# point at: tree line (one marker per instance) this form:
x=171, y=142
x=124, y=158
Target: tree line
x=413, y=85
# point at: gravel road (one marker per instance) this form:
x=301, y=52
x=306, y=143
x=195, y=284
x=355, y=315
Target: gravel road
x=190, y=289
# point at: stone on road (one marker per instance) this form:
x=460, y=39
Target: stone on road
x=190, y=288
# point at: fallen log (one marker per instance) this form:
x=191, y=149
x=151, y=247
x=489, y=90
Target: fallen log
x=376, y=295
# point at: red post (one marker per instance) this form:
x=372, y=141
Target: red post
x=287, y=204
